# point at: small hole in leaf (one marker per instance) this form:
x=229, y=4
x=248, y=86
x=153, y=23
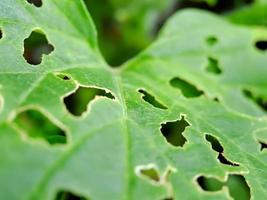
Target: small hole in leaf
x=150, y=173
x=37, y=3
x=216, y=146
x=172, y=131
x=1, y=34
x=63, y=76
x=261, y=45
x=66, y=195
x=36, y=125
x=77, y=102
x=186, y=88
x=35, y=46
x=211, y=40
x=237, y=186
x=263, y=145
x=261, y=102
x=213, y=66
x=151, y=99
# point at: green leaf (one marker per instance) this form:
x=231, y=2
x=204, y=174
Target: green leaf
x=115, y=149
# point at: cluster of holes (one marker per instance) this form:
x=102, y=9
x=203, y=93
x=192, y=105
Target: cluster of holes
x=262, y=103
x=77, y=102
x=216, y=146
x=237, y=186
x=37, y=3
x=37, y=125
x=67, y=195
x=187, y=89
x=35, y=46
x=151, y=99
x=173, y=131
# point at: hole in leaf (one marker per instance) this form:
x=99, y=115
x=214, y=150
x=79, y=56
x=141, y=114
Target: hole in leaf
x=63, y=76
x=1, y=34
x=213, y=66
x=209, y=184
x=262, y=103
x=211, y=40
x=151, y=99
x=261, y=45
x=35, y=46
x=172, y=131
x=77, y=102
x=237, y=186
x=186, y=88
x=37, y=3
x=65, y=195
x=36, y=125
x=263, y=145
x=150, y=173
x=216, y=146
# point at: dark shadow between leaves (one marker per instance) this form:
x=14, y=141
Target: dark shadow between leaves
x=187, y=89
x=216, y=146
x=35, y=46
x=76, y=103
x=173, y=131
x=151, y=99
x=237, y=186
x=66, y=195
x=36, y=3
x=37, y=125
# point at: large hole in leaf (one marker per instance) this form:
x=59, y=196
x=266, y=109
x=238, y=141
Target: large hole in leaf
x=172, y=131
x=35, y=46
x=237, y=186
x=37, y=3
x=216, y=146
x=186, y=88
x=36, y=125
x=261, y=45
x=261, y=102
x=77, y=102
x=213, y=66
x=66, y=195
x=151, y=99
